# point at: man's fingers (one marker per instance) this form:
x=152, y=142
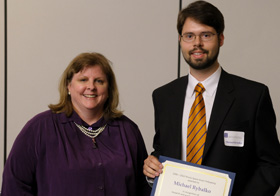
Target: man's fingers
x=152, y=167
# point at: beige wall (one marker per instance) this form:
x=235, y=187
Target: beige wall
x=46, y=35
x=139, y=37
x=1, y=89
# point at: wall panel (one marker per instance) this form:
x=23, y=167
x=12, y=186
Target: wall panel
x=2, y=97
x=139, y=38
x=44, y=36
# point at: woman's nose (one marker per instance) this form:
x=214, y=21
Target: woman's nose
x=91, y=86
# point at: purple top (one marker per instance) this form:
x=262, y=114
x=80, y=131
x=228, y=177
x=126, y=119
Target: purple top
x=52, y=157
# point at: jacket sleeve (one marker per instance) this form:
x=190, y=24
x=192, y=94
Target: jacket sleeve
x=266, y=178
x=156, y=142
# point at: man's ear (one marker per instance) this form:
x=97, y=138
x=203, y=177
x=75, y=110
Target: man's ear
x=221, y=39
x=179, y=38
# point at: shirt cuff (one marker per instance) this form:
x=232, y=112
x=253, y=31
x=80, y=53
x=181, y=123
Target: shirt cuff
x=150, y=181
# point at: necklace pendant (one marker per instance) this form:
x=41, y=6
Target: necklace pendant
x=94, y=143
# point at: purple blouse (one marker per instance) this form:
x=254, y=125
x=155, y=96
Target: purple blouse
x=52, y=157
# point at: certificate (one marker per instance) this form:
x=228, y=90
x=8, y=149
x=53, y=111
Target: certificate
x=181, y=178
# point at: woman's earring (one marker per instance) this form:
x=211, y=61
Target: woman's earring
x=69, y=93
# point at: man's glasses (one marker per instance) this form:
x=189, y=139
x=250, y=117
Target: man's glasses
x=205, y=37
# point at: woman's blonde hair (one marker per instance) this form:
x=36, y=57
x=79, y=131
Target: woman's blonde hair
x=78, y=64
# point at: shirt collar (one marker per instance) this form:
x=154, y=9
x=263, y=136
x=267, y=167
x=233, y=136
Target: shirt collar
x=210, y=84
x=74, y=117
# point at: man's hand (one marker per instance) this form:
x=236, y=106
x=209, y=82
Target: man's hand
x=152, y=167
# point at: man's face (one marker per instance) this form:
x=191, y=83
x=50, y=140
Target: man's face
x=200, y=54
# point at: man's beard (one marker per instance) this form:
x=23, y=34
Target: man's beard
x=199, y=64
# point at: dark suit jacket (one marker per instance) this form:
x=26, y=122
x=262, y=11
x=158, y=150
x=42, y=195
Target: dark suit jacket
x=240, y=105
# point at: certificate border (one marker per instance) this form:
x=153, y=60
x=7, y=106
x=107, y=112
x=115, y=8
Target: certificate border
x=164, y=158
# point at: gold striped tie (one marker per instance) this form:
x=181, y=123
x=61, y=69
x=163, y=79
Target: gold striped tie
x=196, y=127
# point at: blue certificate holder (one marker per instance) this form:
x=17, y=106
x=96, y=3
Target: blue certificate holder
x=188, y=179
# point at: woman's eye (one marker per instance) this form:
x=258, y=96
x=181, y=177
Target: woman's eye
x=100, y=81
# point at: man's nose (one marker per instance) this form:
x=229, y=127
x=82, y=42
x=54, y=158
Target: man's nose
x=198, y=41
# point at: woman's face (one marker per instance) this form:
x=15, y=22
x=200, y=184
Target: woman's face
x=89, y=90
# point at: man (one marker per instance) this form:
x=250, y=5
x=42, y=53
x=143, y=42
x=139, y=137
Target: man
x=231, y=106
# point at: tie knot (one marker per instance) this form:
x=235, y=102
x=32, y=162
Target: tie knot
x=199, y=88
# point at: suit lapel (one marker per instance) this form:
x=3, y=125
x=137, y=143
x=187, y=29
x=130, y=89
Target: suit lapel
x=221, y=106
x=179, y=94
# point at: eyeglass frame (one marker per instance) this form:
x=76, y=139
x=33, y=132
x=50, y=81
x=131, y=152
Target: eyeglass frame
x=200, y=36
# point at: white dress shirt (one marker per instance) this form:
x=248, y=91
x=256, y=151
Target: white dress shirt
x=210, y=85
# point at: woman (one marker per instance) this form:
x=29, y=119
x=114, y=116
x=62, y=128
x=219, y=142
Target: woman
x=83, y=145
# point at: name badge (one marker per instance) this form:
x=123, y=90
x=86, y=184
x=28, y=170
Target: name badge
x=234, y=138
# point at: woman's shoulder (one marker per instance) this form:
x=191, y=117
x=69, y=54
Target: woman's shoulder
x=125, y=120
x=42, y=119
x=126, y=124
x=33, y=128
x=42, y=116
x=131, y=129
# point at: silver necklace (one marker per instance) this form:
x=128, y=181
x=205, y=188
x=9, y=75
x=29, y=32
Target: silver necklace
x=89, y=132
